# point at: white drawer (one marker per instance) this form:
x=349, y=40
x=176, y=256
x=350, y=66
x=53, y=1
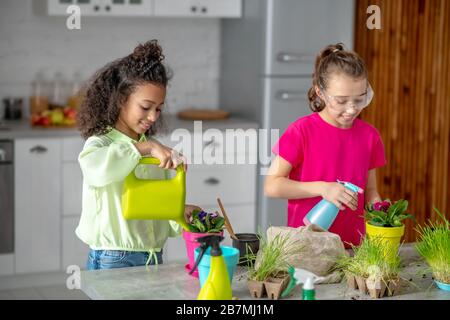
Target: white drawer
x=234, y=184
x=214, y=146
x=71, y=148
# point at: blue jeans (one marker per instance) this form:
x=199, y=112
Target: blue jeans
x=109, y=259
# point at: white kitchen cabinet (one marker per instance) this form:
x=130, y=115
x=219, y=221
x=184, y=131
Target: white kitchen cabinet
x=148, y=8
x=131, y=8
x=72, y=178
x=199, y=8
x=37, y=205
x=74, y=251
x=72, y=184
x=234, y=184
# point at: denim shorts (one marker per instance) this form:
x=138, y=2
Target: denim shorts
x=109, y=259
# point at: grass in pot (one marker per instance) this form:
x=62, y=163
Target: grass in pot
x=267, y=270
x=434, y=246
x=369, y=270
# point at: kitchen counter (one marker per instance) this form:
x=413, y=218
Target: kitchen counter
x=170, y=281
x=12, y=129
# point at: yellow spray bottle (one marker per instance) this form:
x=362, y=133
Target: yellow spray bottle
x=217, y=286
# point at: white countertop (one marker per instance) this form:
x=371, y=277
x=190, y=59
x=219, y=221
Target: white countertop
x=170, y=281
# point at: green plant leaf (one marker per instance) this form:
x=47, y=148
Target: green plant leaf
x=406, y=216
x=192, y=228
x=219, y=222
x=207, y=222
x=200, y=226
x=377, y=217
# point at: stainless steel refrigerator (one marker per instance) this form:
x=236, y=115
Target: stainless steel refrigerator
x=267, y=59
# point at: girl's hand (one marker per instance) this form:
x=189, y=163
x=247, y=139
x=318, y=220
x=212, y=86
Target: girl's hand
x=168, y=158
x=188, y=212
x=162, y=153
x=339, y=195
x=178, y=159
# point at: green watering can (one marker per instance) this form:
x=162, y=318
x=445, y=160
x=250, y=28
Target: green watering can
x=144, y=199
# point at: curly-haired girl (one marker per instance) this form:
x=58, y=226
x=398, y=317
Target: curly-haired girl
x=120, y=112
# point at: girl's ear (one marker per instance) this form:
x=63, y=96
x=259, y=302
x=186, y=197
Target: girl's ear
x=318, y=92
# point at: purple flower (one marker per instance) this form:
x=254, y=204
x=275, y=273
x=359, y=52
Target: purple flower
x=382, y=206
x=202, y=216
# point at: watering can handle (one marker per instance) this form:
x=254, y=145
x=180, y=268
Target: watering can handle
x=155, y=161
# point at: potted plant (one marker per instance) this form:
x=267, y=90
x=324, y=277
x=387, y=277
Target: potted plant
x=384, y=219
x=434, y=246
x=369, y=270
x=202, y=224
x=268, y=273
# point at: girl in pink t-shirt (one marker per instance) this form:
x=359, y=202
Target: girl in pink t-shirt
x=328, y=145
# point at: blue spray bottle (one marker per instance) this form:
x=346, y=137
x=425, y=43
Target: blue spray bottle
x=324, y=213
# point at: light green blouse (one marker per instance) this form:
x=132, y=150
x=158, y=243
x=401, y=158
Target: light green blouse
x=105, y=161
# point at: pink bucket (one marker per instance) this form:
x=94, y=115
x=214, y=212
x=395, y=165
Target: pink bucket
x=191, y=245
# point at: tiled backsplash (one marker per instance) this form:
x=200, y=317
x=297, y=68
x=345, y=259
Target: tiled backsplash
x=31, y=43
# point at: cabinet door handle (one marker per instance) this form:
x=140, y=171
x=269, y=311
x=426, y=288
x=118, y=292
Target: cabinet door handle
x=194, y=9
x=2, y=155
x=294, y=57
x=212, y=181
x=204, y=9
x=207, y=143
x=38, y=149
x=290, y=95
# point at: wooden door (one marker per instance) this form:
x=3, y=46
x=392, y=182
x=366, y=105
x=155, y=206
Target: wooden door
x=409, y=68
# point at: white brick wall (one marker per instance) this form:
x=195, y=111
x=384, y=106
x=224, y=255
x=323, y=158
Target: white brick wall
x=30, y=43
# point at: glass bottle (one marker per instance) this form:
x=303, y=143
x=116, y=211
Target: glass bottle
x=59, y=92
x=39, y=94
x=74, y=100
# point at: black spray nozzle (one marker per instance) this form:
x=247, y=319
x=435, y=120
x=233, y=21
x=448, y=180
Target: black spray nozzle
x=212, y=241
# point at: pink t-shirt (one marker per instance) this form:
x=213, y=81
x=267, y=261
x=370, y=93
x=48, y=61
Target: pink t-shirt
x=319, y=151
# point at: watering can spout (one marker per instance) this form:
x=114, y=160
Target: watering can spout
x=145, y=199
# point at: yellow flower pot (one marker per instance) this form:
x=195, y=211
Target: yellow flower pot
x=391, y=235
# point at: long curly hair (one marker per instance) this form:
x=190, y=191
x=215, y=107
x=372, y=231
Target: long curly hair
x=334, y=58
x=110, y=87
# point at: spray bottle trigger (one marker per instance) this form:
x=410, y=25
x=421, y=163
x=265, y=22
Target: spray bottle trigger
x=351, y=186
x=292, y=283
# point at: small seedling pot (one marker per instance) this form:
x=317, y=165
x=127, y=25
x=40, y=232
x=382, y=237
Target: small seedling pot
x=256, y=288
x=275, y=286
x=376, y=288
x=351, y=280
